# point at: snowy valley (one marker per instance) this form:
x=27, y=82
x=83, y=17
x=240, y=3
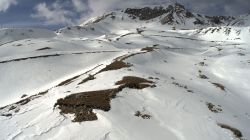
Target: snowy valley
x=136, y=74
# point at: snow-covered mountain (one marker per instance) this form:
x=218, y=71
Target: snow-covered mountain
x=140, y=73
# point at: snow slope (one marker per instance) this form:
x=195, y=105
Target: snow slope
x=201, y=79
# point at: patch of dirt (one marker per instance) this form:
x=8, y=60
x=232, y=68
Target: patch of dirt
x=45, y=48
x=235, y=131
x=115, y=66
x=143, y=50
x=12, y=108
x=190, y=91
x=90, y=77
x=43, y=92
x=142, y=115
x=117, y=39
x=202, y=76
x=213, y=108
x=202, y=64
x=148, y=49
x=24, y=95
x=82, y=104
x=219, y=49
x=26, y=58
x=24, y=101
x=6, y=115
x=218, y=85
x=68, y=81
x=134, y=82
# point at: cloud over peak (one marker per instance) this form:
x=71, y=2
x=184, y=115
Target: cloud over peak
x=53, y=14
x=5, y=4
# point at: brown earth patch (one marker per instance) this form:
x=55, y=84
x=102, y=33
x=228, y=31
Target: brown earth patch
x=43, y=92
x=219, y=86
x=90, y=77
x=6, y=115
x=82, y=104
x=45, y=48
x=24, y=95
x=134, y=82
x=12, y=108
x=148, y=49
x=24, y=101
x=115, y=66
x=235, y=131
x=68, y=81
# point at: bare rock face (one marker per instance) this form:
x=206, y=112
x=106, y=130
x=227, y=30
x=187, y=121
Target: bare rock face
x=168, y=19
x=146, y=13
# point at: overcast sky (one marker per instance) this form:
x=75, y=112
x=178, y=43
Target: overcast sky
x=71, y=12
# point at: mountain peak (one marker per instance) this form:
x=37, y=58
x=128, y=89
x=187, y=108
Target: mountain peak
x=147, y=13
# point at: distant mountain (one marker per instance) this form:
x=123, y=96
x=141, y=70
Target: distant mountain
x=176, y=15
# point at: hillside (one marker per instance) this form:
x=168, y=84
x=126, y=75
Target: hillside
x=137, y=74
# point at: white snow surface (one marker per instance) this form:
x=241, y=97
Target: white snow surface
x=39, y=60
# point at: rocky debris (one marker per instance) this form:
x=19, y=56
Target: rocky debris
x=142, y=115
x=202, y=76
x=148, y=13
x=168, y=19
x=213, y=108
